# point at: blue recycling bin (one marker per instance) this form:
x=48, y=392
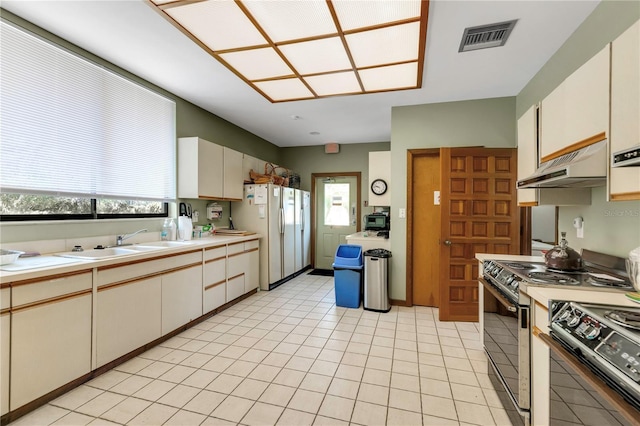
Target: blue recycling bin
x=347, y=267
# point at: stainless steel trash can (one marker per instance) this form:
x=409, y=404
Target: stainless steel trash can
x=376, y=280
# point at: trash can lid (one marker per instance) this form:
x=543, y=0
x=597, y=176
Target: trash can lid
x=378, y=252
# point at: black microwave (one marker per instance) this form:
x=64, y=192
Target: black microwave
x=376, y=222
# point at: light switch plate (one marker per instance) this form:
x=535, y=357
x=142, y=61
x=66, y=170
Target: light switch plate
x=436, y=198
x=402, y=213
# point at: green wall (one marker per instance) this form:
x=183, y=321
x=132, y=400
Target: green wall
x=486, y=122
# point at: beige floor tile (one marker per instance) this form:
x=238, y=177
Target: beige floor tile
x=134, y=365
x=316, y=382
x=291, y=417
x=299, y=363
x=435, y=387
x=337, y=407
x=376, y=377
x=44, y=415
x=250, y=389
x=266, y=373
x=474, y=413
x=369, y=414
x=358, y=360
x=126, y=410
x=241, y=368
x=359, y=348
x=155, y=414
x=200, y=378
x=233, y=352
x=373, y=394
x=406, y=345
x=433, y=372
x=405, y=382
x=405, y=367
x=287, y=348
x=466, y=393
x=439, y=407
x=265, y=345
x=108, y=380
x=232, y=409
x=458, y=364
x=73, y=419
x=344, y=388
x=262, y=415
x=379, y=363
x=176, y=357
x=254, y=355
x=462, y=377
x=156, y=353
x=304, y=400
x=205, y=402
x=101, y=404
x=330, y=355
x=396, y=417
x=179, y=396
x=77, y=397
x=131, y=385
x=224, y=383
x=213, y=348
x=102, y=422
x=492, y=398
x=178, y=374
x=276, y=359
x=277, y=395
x=185, y=418
x=155, y=369
x=381, y=351
x=428, y=420
x=404, y=400
x=154, y=390
x=289, y=377
x=197, y=360
x=308, y=352
x=336, y=344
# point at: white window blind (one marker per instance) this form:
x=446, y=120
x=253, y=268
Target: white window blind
x=71, y=127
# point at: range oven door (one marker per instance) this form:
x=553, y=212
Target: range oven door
x=579, y=396
x=507, y=344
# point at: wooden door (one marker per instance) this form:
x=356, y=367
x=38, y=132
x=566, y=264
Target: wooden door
x=479, y=214
x=425, y=228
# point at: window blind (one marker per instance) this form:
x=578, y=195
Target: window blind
x=71, y=127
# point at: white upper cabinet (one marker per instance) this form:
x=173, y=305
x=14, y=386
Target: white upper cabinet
x=208, y=171
x=576, y=113
x=199, y=168
x=233, y=177
x=624, y=182
x=527, y=154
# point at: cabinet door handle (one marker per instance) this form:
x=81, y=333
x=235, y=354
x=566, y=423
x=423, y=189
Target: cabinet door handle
x=447, y=243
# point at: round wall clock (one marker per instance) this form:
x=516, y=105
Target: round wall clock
x=379, y=186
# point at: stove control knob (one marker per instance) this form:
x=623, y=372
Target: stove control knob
x=592, y=332
x=573, y=321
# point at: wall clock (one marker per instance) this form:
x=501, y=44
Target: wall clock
x=379, y=186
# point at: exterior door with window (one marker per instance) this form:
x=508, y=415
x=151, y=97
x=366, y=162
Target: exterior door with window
x=336, y=216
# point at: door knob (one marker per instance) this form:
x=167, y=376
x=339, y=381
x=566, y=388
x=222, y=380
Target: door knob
x=447, y=242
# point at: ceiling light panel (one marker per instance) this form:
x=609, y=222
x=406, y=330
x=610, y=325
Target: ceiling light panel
x=317, y=56
x=258, y=64
x=334, y=84
x=359, y=14
x=394, y=77
x=220, y=25
x=292, y=20
x=385, y=46
x=283, y=90
x=305, y=49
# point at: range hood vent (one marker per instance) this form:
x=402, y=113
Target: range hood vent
x=484, y=36
x=584, y=168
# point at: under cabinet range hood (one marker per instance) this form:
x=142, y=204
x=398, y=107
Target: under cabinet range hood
x=583, y=168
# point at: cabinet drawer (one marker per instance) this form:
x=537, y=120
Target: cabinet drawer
x=215, y=295
x=215, y=271
x=251, y=245
x=215, y=253
x=109, y=275
x=237, y=264
x=235, y=248
x=235, y=287
x=5, y=298
x=34, y=291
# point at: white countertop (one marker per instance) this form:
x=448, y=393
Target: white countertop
x=365, y=234
x=52, y=264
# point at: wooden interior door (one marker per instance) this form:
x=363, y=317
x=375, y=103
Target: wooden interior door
x=425, y=227
x=479, y=214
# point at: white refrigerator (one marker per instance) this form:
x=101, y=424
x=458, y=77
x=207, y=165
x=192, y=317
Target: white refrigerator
x=270, y=210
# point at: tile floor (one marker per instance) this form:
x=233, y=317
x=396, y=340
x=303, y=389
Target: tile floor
x=291, y=357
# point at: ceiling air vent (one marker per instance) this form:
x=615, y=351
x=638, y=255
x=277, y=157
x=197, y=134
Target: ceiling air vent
x=485, y=36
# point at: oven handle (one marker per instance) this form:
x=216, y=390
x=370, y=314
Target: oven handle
x=503, y=300
x=622, y=406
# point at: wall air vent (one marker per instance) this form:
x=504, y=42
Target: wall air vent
x=484, y=36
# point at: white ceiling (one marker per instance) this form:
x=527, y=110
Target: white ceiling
x=131, y=35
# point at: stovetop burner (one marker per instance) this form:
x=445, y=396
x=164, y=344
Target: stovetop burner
x=604, y=282
x=551, y=278
x=625, y=318
x=519, y=266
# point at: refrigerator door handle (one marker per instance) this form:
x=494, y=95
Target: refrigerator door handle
x=281, y=220
x=302, y=219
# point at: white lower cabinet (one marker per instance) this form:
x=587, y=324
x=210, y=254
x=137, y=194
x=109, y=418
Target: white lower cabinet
x=50, y=337
x=252, y=268
x=181, y=297
x=5, y=353
x=235, y=287
x=119, y=308
x=215, y=278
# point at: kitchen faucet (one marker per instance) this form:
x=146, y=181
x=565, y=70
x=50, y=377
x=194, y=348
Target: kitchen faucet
x=121, y=238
